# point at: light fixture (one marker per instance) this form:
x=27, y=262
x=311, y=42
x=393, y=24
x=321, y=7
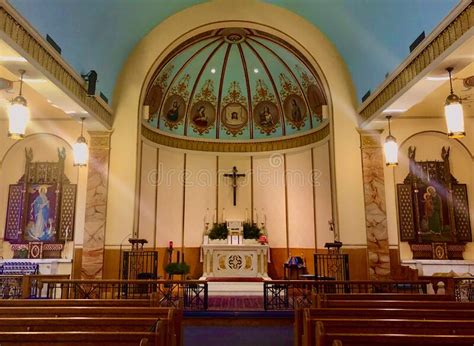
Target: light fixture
x=453, y=112
x=80, y=149
x=18, y=114
x=390, y=147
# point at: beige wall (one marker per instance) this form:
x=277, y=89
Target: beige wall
x=44, y=137
x=345, y=154
x=284, y=201
x=424, y=134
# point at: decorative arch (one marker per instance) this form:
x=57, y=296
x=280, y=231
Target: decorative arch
x=29, y=137
x=306, y=79
x=438, y=132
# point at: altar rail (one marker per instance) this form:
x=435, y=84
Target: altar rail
x=295, y=294
x=462, y=288
x=187, y=294
x=24, y=286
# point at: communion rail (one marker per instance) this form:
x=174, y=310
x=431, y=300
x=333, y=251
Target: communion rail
x=294, y=294
x=187, y=294
x=24, y=286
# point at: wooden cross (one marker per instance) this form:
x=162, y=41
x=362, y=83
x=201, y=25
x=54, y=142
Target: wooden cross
x=234, y=175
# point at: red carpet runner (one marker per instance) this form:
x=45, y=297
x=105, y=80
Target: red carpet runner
x=235, y=303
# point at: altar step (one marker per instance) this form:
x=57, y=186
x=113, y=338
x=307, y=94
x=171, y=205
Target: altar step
x=231, y=288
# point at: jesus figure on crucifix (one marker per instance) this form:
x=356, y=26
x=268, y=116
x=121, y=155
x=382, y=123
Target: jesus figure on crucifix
x=234, y=175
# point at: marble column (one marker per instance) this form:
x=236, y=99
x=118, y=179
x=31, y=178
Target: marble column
x=96, y=205
x=375, y=208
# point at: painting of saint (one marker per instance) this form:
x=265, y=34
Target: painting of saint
x=202, y=116
x=153, y=101
x=173, y=109
x=433, y=215
x=295, y=110
x=316, y=100
x=266, y=116
x=41, y=213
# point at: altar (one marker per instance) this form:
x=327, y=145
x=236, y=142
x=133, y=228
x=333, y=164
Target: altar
x=235, y=260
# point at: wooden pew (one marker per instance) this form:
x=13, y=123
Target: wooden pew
x=75, y=302
x=170, y=318
x=385, y=296
x=306, y=324
x=341, y=339
x=391, y=326
x=80, y=338
x=70, y=324
x=85, y=311
x=399, y=304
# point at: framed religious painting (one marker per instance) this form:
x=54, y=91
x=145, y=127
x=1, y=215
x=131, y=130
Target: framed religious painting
x=41, y=212
x=433, y=209
x=41, y=209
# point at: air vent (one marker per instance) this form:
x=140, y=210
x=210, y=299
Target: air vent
x=418, y=40
x=53, y=44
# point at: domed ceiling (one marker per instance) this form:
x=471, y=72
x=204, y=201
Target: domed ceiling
x=235, y=84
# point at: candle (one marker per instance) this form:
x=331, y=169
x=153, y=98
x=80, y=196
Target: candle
x=223, y=214
x=215, y=215
x=246, y=215
x=256, y=216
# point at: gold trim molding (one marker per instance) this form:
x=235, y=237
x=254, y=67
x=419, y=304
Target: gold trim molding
x=100, y=139
x=36, y=51
x=370, y=139
x=458, y=27
x=239, y=147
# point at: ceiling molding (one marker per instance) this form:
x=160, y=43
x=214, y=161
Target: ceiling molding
x=415, y=64
x=22, y=37
x=237, y=147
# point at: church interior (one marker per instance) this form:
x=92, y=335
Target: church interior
x=236, y=172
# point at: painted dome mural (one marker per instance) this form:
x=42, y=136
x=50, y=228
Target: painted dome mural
x=235, y=84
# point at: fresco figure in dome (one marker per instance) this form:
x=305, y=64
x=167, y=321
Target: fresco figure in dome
x=201, y=119
x=266, y=118
x=295, y=111
x=173, y=112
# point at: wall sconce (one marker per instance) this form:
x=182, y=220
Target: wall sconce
x=390, y=147
x=18, y=114
x=453, y=112
x=80, y=149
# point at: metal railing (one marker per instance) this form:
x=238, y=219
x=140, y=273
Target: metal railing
x=187, y=294
x=24, y=286
x=294, y=294
x=332, y=265
x=464, y=289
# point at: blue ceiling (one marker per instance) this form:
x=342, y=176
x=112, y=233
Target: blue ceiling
x=372, y=35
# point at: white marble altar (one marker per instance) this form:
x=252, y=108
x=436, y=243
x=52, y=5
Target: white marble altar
x=429, y=267
x=236, y=260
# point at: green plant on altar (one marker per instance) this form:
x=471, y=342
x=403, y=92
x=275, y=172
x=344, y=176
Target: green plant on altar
x=177, y=268
x=251, y=231
x=219, y=231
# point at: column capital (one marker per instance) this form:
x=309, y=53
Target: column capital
x=100, y=139
x=370, y=138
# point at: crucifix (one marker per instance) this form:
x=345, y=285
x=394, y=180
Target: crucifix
x=234, y=175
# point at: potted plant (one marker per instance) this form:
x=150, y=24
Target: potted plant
x=219, y=233
x=177, y=268
x=251, y=233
